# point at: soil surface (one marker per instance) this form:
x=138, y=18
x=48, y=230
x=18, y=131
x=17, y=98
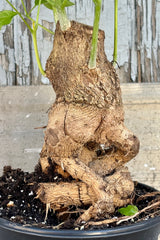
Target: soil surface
x=18, y=202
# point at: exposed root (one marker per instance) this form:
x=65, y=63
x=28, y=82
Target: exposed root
x=58, y=226
x=78, y=193
x=71, y=212
x=47, y=209
x=122, y=219
x=40, y=127
x=152, y=194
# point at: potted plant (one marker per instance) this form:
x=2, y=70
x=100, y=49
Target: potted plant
x=86, y=141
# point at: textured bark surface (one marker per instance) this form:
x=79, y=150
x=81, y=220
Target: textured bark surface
x=86, y=136
x=63, y=194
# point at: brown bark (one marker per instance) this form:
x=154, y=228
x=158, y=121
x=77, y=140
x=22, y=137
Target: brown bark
x=86, y=118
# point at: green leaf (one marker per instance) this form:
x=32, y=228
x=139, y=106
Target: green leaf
x=49, y=6
x=36, y=2
x=6, y=17
x=129, y=210
x=53, y=3
x=45, y=2
x=60, y=4
x=67, y=3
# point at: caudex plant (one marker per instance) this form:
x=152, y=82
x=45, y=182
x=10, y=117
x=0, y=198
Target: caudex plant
x=85, y=140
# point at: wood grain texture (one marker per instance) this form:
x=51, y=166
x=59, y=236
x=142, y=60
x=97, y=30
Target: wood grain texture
x=138, y=41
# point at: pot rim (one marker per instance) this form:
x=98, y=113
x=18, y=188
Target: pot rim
x=90, y=234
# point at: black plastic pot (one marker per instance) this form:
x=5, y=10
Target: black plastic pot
x=145, y=230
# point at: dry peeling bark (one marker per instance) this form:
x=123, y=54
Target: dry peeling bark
x=86, y=136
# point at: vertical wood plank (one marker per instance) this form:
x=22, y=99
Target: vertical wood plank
x=22, y=49
x=154, y=41
x=138, y=33
x=158, y=38
x=7, y=65
x=45, y=44
x=132, y=40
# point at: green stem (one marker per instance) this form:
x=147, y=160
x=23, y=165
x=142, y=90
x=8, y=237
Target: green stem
x=55, y=13
x=63, y=19
x=31, y=10
x=93, y=54
x=24, y=7
x=46, y=29
x=34, y=36
x=39, y=5
x=30, y=29
x=33, y=31
x=115, y=31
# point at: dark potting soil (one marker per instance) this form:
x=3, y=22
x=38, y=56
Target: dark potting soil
x=18, y=202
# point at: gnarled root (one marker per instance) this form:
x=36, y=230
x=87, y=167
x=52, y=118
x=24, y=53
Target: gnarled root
x=73, y=149
x=62, y=195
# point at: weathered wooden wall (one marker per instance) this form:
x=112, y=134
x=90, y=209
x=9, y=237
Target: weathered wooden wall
x=138, y=41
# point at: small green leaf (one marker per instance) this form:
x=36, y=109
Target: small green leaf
x=6, y=17
x=67, y=3
x=46, y=4
x=36, y=2
x=49, y=6
x=60, y=4
x=129, y=210
x=55, y=3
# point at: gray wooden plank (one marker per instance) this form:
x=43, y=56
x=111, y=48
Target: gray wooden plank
x=138, y=41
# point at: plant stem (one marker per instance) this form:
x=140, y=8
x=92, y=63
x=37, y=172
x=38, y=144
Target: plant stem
x=24, y=7
x=63, y=19
x=46, y=29
x=93, y=54
x=34, y=36
x=39, y=5
x=30, y=29
x=31, y=10
x=115, y=31
x=55, y=13
x=33, y=31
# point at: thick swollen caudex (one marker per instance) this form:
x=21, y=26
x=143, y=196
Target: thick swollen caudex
x=67, y=69
x=86, y=136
